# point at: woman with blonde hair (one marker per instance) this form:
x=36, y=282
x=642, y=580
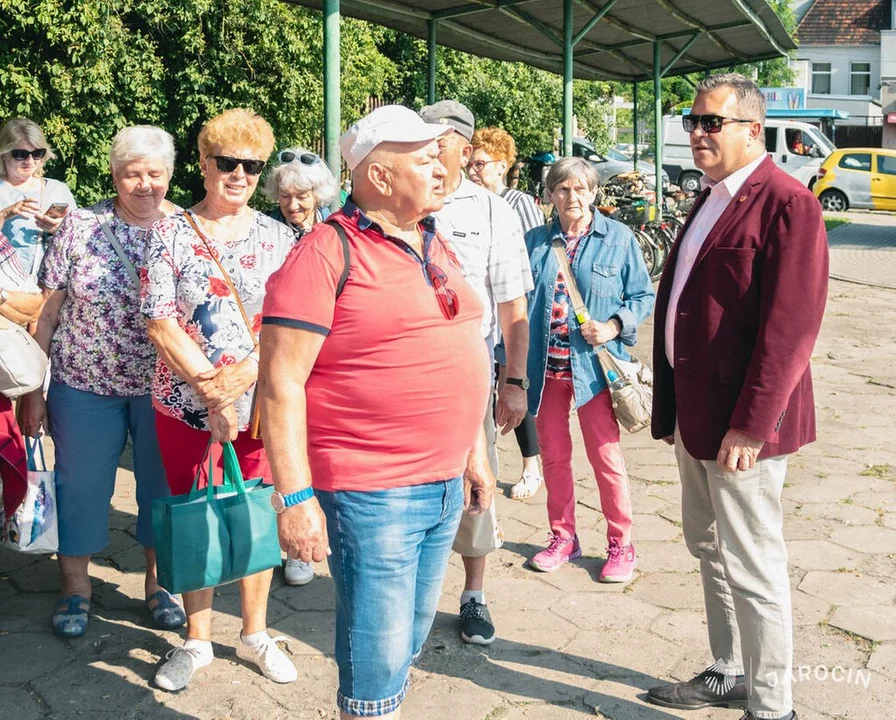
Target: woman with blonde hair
x=31, y=206
x=208, y=357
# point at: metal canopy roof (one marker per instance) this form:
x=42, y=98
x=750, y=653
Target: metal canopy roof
x=614, y=38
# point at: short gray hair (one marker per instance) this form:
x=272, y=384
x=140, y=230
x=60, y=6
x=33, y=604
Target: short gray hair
x=297, y=175
x=750, y=100
x=572, y=167
x=142, y=142
x=18, y=129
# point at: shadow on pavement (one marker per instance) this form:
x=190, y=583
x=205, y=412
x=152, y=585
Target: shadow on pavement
x=485, y=667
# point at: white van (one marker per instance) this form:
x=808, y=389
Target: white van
x=797, y=147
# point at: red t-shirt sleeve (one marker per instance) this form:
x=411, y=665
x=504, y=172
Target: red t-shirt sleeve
x=302, y=293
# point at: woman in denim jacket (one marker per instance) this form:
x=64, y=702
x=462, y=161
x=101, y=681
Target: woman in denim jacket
x=563, y=368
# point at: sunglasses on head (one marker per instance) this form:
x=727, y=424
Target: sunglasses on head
x=20, y=155
x=227, y=164
x=447, y=298
x=709, y=123
x=288, y=156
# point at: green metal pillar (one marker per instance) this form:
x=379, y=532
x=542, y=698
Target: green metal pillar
x=332, y=119
x=567, y=77
x=658, y=126
x=431, y=65
x=635, y=123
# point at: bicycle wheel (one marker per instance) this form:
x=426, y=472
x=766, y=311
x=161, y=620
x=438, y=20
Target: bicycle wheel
x=675, y=225
x=648, y=249
x=663, y=239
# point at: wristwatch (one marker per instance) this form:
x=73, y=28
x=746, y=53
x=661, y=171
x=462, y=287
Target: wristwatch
x=280, y=502
x=521, y=382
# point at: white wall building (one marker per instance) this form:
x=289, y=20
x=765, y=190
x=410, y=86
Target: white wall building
x=840, y=59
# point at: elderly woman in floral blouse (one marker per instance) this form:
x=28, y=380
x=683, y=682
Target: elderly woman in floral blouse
x=208, y=356
x=102, y=364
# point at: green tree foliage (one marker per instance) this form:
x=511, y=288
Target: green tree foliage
x=84, y=70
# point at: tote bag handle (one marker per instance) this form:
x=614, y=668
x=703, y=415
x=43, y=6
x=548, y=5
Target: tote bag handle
x=233, y=475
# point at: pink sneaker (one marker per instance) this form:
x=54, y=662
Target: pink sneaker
x=620, y=564
x=558, y=551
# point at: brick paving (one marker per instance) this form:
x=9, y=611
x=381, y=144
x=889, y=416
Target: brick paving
x=567, y=647
x=864, y=249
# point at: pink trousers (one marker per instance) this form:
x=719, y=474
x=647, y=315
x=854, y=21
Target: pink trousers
x=601, y=434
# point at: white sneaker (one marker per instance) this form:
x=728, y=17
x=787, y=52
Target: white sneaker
x=298, y=572
x=270, y=659
x=182, y=663
x=526, y=487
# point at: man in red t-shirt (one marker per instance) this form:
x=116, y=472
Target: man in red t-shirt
x=374, y=397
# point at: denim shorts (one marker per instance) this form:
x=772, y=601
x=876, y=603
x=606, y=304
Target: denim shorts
x=390, y=551
x=89, y=433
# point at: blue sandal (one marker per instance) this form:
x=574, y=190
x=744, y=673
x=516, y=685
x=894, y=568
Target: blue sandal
x=70, y=618
x=167, y=614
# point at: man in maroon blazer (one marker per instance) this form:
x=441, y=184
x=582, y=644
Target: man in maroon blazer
x=738, y=310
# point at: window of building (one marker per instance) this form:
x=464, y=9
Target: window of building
x=821, y=78
x=860, y=78
x=886, y=164
x=856, y=161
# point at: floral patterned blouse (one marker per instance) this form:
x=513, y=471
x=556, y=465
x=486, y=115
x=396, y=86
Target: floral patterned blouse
x=100, y=344
x=181, y=280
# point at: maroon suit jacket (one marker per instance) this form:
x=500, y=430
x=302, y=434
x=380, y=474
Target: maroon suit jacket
x=747, y=321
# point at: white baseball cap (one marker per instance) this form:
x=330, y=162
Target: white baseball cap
x=389, y=123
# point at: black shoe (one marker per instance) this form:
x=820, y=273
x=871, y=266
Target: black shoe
x=709, y=689
x=476, y=623
x=749, y=716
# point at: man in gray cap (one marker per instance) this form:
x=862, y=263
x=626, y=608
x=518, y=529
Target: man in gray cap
x=486, y=234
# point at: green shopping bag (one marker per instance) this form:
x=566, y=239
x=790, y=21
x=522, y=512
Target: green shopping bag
x=217, y=535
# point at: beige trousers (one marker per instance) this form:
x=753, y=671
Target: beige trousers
x=733, y=523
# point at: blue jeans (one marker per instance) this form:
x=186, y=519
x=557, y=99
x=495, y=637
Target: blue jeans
x=89, y=433
x=390, y=551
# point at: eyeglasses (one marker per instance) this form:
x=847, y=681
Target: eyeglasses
x=227, y=164
x=21, y=155
x=288, y=156
x=448, y=302
x=480, y=164
x=710, y=124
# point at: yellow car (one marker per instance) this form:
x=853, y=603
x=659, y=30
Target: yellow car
x=857, y=178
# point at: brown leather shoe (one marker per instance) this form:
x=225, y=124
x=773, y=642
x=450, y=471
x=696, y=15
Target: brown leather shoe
x=709, y=689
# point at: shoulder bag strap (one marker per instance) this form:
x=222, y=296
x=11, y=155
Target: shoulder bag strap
x=346, y=254
x=578, y=304
x=236, y=296
x=116, y=246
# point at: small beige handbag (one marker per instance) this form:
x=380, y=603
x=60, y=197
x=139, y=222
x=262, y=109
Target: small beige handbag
x=630, y=382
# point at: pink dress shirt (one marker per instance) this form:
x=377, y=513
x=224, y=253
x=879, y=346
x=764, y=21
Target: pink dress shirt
x=720, y=194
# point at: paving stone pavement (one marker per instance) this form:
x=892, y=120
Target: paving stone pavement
x=864, y=249
x=567, y=646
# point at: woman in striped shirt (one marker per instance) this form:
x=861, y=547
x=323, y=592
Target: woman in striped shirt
x=494, y=153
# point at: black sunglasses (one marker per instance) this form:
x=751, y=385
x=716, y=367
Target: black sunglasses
x=20, y=155
x=709, y=123
x=287, y=156
x=227, y=164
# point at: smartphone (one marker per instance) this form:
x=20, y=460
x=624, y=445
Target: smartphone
x=57, y=210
